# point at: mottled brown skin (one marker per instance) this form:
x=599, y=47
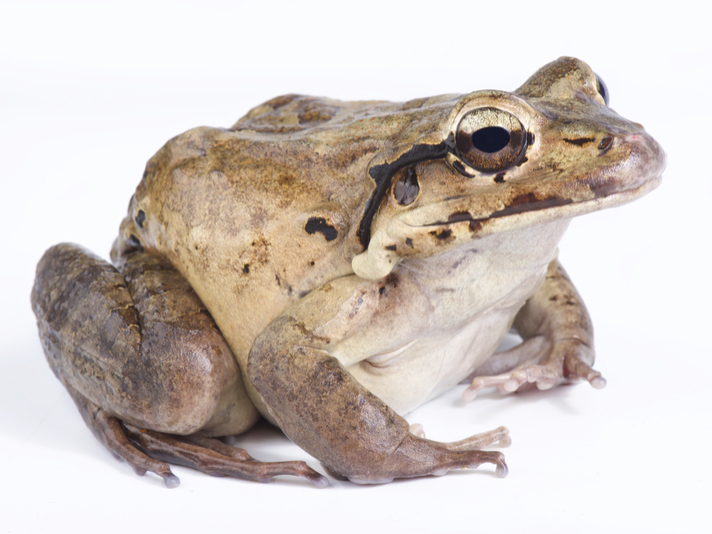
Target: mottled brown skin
x=358, y=258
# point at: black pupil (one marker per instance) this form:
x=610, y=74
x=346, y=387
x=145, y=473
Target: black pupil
x=490, y=139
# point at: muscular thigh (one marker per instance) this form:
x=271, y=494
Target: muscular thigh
x=139, y=344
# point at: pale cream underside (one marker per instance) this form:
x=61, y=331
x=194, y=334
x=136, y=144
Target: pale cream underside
x=472, y=295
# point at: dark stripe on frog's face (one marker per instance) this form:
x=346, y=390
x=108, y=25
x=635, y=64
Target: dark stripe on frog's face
x=383, y=173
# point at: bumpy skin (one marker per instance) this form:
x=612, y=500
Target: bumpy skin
x=358, y=259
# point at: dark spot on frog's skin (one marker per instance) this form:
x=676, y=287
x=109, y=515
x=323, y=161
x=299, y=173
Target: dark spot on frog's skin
x=319, y=224
x=392, y=280
x=475, y=225
x=442, y=234
x=391, y=247
x=246, y=268
x=499, y=179
x=311, y=263
x=409, y=242
x=580, y=141
x=279, y=282
x=145, y=174
x=303, y=294
x=381, y=290
x=140, y=217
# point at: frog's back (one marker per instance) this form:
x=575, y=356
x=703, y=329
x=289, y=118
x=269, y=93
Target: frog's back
x=252, y=220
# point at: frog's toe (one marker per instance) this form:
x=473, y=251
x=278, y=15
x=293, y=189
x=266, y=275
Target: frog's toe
x=501, y=470
x=171, y=481
x=480, y=441
x=565, y=361
x=215, y=458
x=577, y=368
x=505, y=383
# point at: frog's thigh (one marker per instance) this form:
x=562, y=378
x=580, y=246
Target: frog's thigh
x=139, y=346
x=324, y=410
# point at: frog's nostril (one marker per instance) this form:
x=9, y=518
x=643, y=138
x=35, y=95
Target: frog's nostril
x=605, y=143
x=140, y=217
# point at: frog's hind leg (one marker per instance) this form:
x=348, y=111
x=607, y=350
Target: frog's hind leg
x=145, y=364
x=319, y=404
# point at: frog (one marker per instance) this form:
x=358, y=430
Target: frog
x=329, y=266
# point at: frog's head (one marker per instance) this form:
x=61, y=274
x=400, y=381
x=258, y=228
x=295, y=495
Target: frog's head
x=497, y=161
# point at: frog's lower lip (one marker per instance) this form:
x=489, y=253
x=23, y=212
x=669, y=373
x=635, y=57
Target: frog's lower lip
x=542, y=210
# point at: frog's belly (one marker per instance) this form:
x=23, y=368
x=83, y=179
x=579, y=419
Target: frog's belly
x=426, y=367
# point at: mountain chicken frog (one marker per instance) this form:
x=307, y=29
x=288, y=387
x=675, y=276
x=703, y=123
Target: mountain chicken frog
x=331, y=266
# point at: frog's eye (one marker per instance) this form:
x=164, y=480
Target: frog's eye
x=602, y=89
x=490, y=140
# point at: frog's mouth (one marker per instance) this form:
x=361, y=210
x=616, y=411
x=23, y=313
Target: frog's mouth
x=530, y=209
x=543, y=196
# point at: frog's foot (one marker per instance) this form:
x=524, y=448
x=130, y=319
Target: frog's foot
x=148, y=450
x=416, y=457
x=111, y=432
x=215, y=458
x=536, y=362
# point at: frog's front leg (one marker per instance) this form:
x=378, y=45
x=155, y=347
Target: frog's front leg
x=557, y=346
x=146, y=366
x=326, y=411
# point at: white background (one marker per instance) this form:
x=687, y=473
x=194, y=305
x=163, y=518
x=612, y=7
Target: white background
x=90, y=90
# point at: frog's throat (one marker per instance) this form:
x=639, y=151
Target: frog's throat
x=404, y=238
